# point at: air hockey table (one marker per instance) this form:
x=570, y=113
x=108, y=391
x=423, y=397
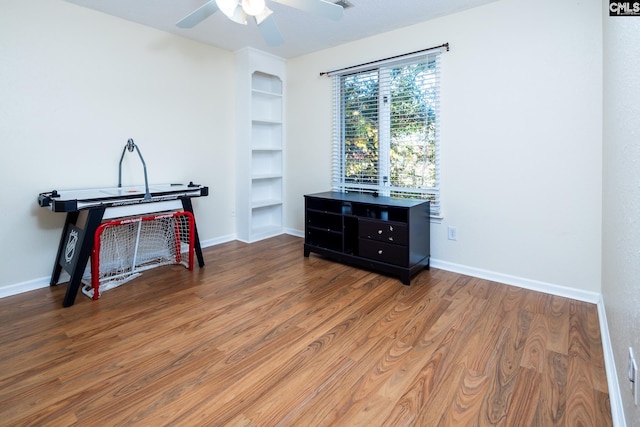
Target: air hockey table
x=87, y=208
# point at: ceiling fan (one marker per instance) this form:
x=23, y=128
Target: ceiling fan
x=241, y=10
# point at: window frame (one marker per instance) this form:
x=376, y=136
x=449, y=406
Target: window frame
x=338, y=178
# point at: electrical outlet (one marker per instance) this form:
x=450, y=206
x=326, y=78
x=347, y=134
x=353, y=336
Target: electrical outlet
x=452, y=233
x=633, y=376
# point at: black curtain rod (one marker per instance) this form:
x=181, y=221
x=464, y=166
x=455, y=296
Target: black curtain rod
x=326, y=73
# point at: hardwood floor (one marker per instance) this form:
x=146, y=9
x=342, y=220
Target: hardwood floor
x=262, y=336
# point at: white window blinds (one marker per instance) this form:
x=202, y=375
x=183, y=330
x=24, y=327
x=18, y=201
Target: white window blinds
x=386, y=128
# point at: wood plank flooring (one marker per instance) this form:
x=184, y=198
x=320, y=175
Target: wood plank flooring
x=262, y=336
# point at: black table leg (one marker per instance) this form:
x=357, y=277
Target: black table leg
x=78, y=265
x=188, y=207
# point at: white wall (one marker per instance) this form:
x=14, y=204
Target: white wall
x=521, y=135
x=621, y=196
x=75, y=85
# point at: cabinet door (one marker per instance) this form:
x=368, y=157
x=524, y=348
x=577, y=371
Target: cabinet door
x=384, y=231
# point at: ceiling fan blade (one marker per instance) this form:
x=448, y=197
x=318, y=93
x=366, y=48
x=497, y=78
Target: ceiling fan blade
x=269, y=30
x=198, y=15
x=318, y=7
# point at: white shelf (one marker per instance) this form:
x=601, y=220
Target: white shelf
x=266, y=122
x=267, y=163
x=265, y=82
x=259, y=204
x=261, y=145
x=266, y=98
x=266, y=176
x=267, y=221
x=266, y=191
x=267, y=149
x=258, y=92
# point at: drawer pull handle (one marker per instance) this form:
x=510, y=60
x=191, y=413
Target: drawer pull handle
x=391, y=239
x=379, y=231
x=380, y=252
x=391, y=228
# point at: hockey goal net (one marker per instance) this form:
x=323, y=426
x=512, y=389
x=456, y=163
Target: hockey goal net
x=123, y=248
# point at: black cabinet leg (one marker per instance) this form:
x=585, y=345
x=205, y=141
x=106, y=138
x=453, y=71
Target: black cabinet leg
x=405, y=278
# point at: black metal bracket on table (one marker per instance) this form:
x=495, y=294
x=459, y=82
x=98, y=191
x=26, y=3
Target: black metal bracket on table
x=76, y=245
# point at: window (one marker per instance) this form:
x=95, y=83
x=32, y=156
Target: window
x=386, y=128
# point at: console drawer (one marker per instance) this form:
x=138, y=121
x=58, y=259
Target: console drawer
x=384, y=252
x=384, y=231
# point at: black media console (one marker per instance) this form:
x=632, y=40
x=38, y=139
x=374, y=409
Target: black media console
x=383, y=234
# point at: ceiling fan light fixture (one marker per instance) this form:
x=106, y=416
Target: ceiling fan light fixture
x=227, y=7
x=239, y=16
x=253, y=7
x=233, y=11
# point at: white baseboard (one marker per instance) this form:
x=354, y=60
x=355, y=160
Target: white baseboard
x=615, y=398
x=534, y=285
x=18, y=288
x=217, y=240
x=296, y=233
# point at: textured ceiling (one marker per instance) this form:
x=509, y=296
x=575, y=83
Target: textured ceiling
x=303, y=33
